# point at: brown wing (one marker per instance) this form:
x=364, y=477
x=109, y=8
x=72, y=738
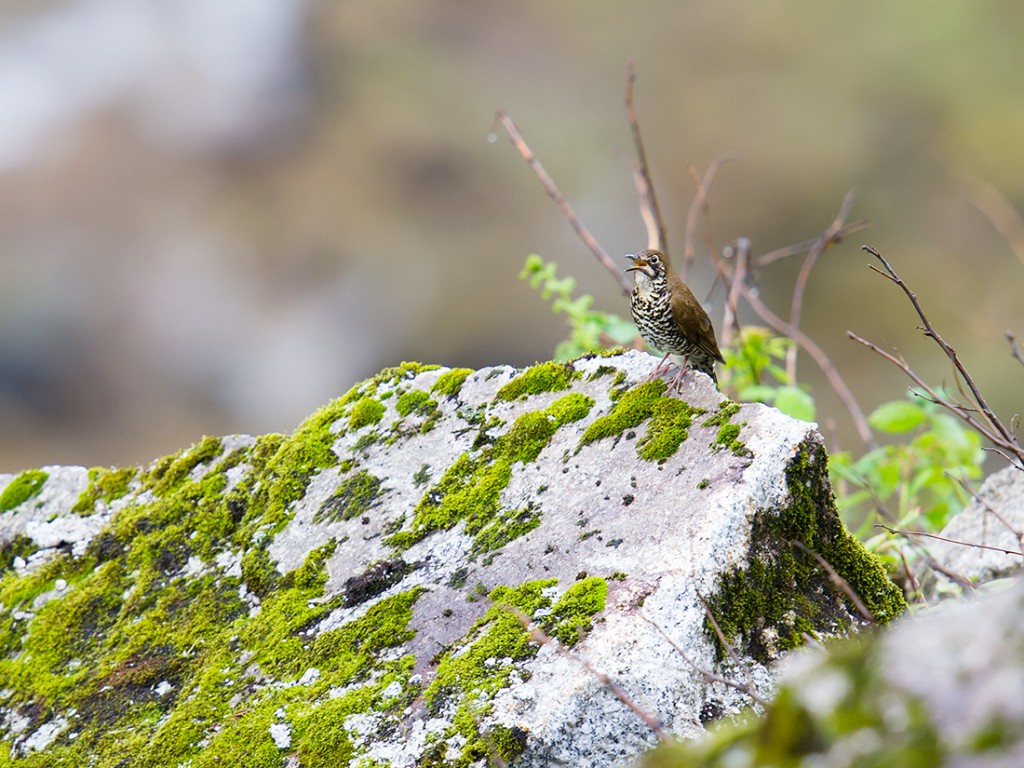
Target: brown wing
x=692, y=320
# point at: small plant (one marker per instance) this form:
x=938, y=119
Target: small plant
x=917, y=482
x=590, y=330
x=755, y=371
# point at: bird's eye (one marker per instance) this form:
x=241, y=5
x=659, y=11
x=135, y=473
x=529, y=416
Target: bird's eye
x=653, y=258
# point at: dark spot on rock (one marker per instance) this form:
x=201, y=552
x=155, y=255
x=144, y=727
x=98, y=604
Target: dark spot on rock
x=628, y=499
x=710, y=711
x=447, y=612
x=550, y=549
x=458, y=579
x=613, y=543
x=581, y=576
x=630, y=434
x=365, y=520
x=374, y=580
x=598, y=484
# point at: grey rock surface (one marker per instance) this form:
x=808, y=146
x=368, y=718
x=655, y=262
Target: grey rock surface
x=422, y=573
x=993, y=519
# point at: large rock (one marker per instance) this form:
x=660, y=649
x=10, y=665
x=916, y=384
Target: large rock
x=356, y=593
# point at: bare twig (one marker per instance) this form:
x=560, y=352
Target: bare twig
x=540, y=637
x=1015, y=348
x=1008, y=449
x=657, y=235
x=561, y=202
x=971, y=544
x=838, y=580
x=820, y=245
x=710, y=676
x=1004, y=438
x=968, y=486
x=699, y=204
x=797, y=248
x=818, y=355
x=731, y=320
x=725, y=643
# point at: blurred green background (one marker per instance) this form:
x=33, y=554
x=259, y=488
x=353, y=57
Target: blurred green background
x=215, y=215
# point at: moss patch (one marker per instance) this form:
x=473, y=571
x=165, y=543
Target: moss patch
x=669, y=427
x=469, y=674
x=22, y=488
x=573, y=612
x=106, y=484
x=355, y=495
x=449, y=383
x=545, y=377
x=365, y=411
x=471, y=487
x=632, y=408
x=783, y=592
x=728, y=433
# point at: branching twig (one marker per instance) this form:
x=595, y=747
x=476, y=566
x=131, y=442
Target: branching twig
x=969, y=487
x=561, y=202
x=908, y=534
x=730, y=319
x=839, y=581
x=818, y=355
x=540, y=637
x=1015, y=348
x=1003, y=438
x=1007, y=449
x=710, y=676
x=657, y=235
x=826, y=239
x=725, y=643
x=795, y=250
x=700, y=200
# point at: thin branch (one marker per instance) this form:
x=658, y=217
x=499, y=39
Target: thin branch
x=839, y=581
x=725, y=643
x=960, y=411
x=730, y=319
x=710, y=676
x=540, y=637
x=549, y=186
x=795, y=250
x=699, y=204
x=1015, y=348
x=657, y=235
x=908, y=534
x=818, y=355
x=648, y=214
x=1008, y=441
x=820, y=245
x=968, y=486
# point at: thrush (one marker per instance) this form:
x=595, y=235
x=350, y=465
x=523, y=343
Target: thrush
x=670, y=318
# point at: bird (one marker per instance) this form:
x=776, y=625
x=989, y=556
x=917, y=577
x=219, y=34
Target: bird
x=670, y=318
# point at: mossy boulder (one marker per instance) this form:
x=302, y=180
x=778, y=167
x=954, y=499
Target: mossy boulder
x=406, y=578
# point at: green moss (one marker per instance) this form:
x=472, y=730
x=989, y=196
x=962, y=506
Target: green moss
x=422, y=476
x=571, y=616
x=471, y=487
x=22, y=488
x=415, y=400
x=168, y=473
x=544, y=377
x=106, y=484
x=366, y=411
x=449, y=383
x=783, y=592
x=354, y=496
x=632, y=408
x=469, y=674
x=728, y=433
x=670, y=424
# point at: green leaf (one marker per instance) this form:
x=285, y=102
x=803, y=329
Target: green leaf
x=794, y=402
x=897, y=416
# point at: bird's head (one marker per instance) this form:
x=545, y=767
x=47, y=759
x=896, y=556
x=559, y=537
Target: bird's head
x=648, y=265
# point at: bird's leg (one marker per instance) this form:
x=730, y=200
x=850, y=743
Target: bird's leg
x=659, y=369
x=677, y=380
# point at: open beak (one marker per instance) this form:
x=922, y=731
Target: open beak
x=638, y=263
